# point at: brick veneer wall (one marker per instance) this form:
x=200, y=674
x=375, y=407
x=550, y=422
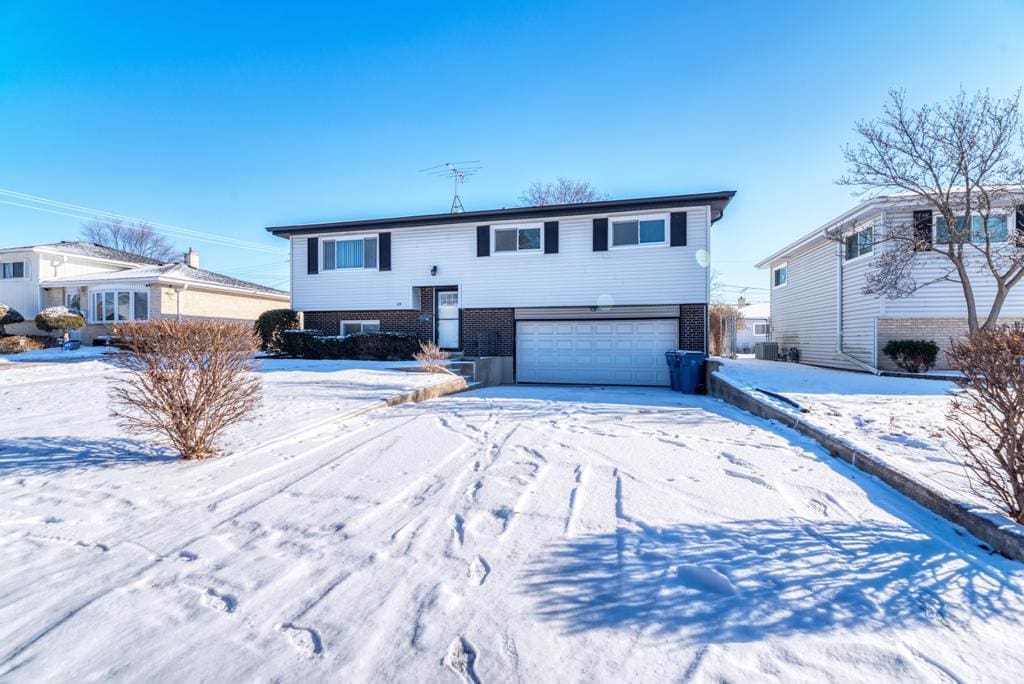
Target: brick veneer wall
x=938, y=330
x=419, y=322
x=692, y=332
x=487, y=332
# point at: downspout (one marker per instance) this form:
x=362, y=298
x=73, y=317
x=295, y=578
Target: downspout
x=179, y=291
x=839, y=307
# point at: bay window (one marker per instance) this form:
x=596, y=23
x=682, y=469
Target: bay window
x=119, y=305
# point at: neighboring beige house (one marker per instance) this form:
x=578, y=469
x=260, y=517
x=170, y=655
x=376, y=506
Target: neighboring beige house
x=817, y=300
x=109, y=285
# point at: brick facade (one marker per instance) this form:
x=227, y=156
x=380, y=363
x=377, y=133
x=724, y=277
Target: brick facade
x=419, y=322
x=692, y=327
x=487, y=332
x=938, y=330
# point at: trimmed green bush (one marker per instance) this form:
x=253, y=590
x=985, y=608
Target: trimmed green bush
x=8, y=315
x=307, y=344
x=58, y=318
x=271, y=325
x=913, y=356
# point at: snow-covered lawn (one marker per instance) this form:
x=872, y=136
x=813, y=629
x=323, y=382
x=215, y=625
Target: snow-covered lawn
x=511, y=534
x=899, y=419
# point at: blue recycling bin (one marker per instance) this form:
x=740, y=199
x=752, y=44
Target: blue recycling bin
x=686, y=370
x=674, y=360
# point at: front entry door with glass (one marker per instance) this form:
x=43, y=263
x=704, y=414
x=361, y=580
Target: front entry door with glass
x=448, y=319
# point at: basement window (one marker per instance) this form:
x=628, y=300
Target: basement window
x=354, y=327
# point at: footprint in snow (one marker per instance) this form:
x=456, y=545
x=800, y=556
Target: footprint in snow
x=479, y=569
x=187, y=556
x=225, y=603
x=461, y=659
x=306, y=640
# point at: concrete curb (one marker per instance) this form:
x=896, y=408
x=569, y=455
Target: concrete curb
x=1002, y=534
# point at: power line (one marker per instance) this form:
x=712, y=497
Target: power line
x=86, y=213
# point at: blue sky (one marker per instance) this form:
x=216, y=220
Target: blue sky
x=230, y=118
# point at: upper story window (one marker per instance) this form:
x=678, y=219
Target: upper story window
x=118, y=305
x=860, y=243
x=353, y=253
x=517, y=239
x=12, y=269
x=638, y=231
x=996, y=229
x=352, y=327
x=780, y=275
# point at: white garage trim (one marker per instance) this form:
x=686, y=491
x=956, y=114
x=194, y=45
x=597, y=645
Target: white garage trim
x=597, y=352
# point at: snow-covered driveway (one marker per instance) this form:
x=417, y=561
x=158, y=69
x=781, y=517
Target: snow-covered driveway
x=513, y=534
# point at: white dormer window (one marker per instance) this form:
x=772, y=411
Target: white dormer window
x=642, y=230
x=518, y=238
x=12, y=269
x=360, y=252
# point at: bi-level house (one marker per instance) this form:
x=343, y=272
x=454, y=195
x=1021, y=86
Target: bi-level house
x=818, y=306
x=580, y=293
x=109, y=285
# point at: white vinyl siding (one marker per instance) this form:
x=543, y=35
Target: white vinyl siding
x=22, y=294
x=575, y=276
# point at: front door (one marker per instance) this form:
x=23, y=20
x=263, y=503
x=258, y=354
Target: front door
x=448, y=319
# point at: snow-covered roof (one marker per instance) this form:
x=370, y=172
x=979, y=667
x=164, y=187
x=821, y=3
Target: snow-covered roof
x=759, y=310
x=89, y=249
x=176, y=273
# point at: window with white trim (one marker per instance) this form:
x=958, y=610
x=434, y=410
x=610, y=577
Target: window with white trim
x=860, y=243
x=112, y=306
x=12, y=269
x=350, y=253
x=517, y=239
x=629, y=232
x=780, y=275
x=760, y=328
x=352, y=327
x=997, y=229
x=73, y=301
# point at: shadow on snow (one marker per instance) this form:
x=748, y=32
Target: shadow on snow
x=41, y=455
x=749, y=580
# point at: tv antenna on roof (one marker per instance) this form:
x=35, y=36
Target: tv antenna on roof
x=458, y=172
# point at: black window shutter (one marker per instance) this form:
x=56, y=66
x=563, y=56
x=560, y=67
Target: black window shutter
x=1020, y=225
x=483, y=241
x=677, y=236
x=384, y=255
x=923, y=230
x=601, y=235
x=312, y=255
x=551, y=237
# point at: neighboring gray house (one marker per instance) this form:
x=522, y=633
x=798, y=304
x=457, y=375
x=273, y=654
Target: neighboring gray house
x=817, y=300
x=579, y=293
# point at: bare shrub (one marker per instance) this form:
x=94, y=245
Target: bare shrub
x=987, y=420
x=718, y=317
x=15, y=344
x=431, y=357
x=187, y=381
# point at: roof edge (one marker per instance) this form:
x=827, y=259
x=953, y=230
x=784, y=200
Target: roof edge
x=717, y=200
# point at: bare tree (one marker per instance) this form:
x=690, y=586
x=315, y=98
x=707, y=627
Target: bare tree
x=962, y=159
x=187, y=380
x=562, y=191
x=986, y=421
x=137, y=238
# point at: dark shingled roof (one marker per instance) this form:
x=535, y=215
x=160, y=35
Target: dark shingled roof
x=186, y=271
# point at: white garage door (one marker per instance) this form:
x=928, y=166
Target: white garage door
x=595, y=352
